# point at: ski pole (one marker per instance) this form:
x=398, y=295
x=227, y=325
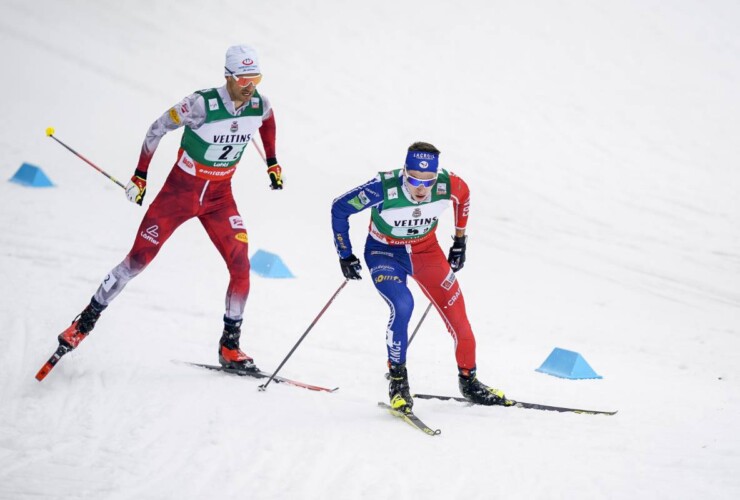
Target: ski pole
x=429, y=307
x=264, y=386
x=50, y=133
x=259, y=150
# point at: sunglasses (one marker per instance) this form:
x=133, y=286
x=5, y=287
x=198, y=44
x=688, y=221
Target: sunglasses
x=416, y=182
x=245, y=81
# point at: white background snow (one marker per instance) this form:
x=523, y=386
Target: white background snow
x=600, y=141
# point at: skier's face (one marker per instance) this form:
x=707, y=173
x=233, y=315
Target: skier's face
x=242, y=87
x=419, y=183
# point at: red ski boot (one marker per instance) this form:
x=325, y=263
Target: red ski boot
x=229, y=354
x=73, y=335
x=81, y=326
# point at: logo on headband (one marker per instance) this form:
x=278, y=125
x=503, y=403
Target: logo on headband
x=422, y=161
x=423, y=156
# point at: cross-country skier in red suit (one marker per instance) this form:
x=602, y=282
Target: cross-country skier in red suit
x=219, y=123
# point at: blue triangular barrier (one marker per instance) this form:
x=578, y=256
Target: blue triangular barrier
x=269, y=265
x=32, y=176
x=567, y=364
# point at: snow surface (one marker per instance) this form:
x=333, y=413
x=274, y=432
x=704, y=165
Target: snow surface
x=600, y=140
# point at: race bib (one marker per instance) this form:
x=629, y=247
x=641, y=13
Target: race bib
x=224, y=152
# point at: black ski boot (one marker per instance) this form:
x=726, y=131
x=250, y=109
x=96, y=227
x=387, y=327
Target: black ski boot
x=398, y=388
x=81, y=326
x=479, y=393
x=229, y=354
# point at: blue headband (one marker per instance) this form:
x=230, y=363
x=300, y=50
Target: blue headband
x=422, y=161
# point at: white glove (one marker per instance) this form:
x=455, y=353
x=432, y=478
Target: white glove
x=136, y=189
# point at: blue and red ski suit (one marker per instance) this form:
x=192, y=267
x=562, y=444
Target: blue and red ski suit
x=392, y=259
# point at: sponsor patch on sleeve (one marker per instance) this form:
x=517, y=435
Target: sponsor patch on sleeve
x=355, y=202
x=363, y=198
x=174, y=116
x=242, y=237
x=340, y=241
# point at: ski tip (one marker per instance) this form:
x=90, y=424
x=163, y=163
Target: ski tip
x=614, y=412
x=43, y=372
x=311, y=387
x=49, y=131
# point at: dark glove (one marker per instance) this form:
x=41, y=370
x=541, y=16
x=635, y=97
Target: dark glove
x=275, y=173
x=136, y=187
x=351, y=267
x=456, y=258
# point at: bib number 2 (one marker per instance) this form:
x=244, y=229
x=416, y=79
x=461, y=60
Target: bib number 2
x=224, y=152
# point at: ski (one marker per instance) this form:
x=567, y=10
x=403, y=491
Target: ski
x=522, y=404
x=258, y=374
x=410, y=419
x=44, y=371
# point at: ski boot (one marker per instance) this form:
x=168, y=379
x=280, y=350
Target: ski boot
x=477, y=392
x=229, y=354
x=73, y=335
x=81, y=326
x=398, y=388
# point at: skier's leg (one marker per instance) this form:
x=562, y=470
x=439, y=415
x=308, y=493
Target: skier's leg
x=226, y=230
x=389, y=274
x=164, y=215
x=433, y=274
x=439, y=283
x=389, y=277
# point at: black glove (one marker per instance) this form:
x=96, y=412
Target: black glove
x=456, y=258
x=351, y=267
x=275, y=173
